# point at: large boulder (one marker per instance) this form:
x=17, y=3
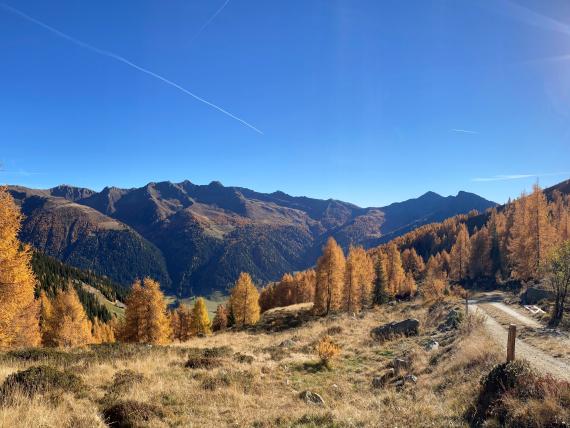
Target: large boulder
x=408, y=327
x=533, y=295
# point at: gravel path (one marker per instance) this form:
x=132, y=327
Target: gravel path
x=531, y=322
x=540, y=360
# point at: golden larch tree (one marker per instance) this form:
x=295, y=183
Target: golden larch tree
x=460, y=254
x=480, y=262
x=146, y=318
x=358, y=278
x=394, y=270
x=69, y=323
x=409, y=286
x=220, y=322
x=412, y=262
x=244, y=301
x=46, y=316
x=19, y=323
x=102, y=332
x=329, y=279
x=201, y=324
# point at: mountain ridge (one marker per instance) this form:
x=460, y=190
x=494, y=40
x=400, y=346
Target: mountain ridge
x=197, y=238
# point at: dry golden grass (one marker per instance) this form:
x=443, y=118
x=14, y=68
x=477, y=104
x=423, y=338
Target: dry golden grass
x=265, y=392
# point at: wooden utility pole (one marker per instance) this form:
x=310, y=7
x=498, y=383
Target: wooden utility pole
x=511, y=342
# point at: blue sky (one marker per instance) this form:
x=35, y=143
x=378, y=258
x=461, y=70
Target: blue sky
x=365, y=101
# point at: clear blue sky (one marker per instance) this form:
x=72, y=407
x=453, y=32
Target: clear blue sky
x=365, y=101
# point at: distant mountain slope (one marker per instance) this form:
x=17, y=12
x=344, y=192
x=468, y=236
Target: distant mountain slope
x=85, y=238
x=197, y=238
x=97, y=294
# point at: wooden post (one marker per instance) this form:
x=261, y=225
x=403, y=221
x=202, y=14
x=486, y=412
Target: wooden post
x=511, y=343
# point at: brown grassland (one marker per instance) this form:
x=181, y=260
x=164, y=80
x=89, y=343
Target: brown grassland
x=251, y=378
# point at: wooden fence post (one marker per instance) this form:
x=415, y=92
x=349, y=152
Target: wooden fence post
x=511, y=343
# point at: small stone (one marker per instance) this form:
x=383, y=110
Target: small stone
x=399, y=364
x=312, y=398
x=383, y=379
x=432, y=345
x=411, y=378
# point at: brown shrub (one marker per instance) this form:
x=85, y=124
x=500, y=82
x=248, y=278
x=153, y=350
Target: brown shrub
x=129, y=414
x=39, y=380
x=512, y=394
x=327, y=351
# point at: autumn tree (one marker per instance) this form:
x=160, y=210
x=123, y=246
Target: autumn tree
x=146, y=319
x=497, y=226
x=305, y=282
x=352, y=291
x=394, y=270
x=460, y=254
x=19, y=325
x=181, y=322
x=329, y=279
x=358, y=278
x=201, y=324
x=433, y=287
x=380, y=294
x=412, y=262
x=102, y=332
x=532, y=235
x=69, y=324
x=559, y=281
x=409, y=286
x=244, y=301
x=220, y=322
x=46, y=315
x=480, y=263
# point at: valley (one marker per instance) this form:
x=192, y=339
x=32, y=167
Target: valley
x=195, y=239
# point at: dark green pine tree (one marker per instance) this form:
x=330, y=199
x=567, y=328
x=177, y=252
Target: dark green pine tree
x=380, y=283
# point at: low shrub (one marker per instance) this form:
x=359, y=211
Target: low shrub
x=215, y=352
x=123, y=380
x=39, y=380
x=198, y=362
x=327, y=351
x=513, y=395
x=243, y=358
x=334, y=330
x=130, y=413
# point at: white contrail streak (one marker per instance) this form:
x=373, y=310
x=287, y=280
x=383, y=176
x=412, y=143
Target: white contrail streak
x=518, y=176
x=125, y=61
x=209, y=21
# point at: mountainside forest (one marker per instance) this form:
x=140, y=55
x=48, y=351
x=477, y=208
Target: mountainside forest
x=196, y=239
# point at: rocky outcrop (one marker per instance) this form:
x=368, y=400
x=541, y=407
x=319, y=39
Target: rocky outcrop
x=408, y=327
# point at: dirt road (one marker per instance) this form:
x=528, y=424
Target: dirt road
x=538, y=358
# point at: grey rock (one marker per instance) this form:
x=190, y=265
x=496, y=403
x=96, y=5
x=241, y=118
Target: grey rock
x=310, y=397
x=452, y=321
x=431, y=345
x=399, y=364
x=383, y=379
x=411, y=378
x=408, y=327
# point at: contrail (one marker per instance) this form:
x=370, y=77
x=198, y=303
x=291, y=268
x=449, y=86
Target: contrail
x=518, y=176
x=126, y=61
x=209, y=21
x=464, y=131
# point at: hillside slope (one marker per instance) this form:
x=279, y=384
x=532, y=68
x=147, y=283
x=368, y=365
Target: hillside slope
x=195, y=239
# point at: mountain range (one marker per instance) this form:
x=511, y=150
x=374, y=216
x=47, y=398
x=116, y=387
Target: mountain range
x=195, y=239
